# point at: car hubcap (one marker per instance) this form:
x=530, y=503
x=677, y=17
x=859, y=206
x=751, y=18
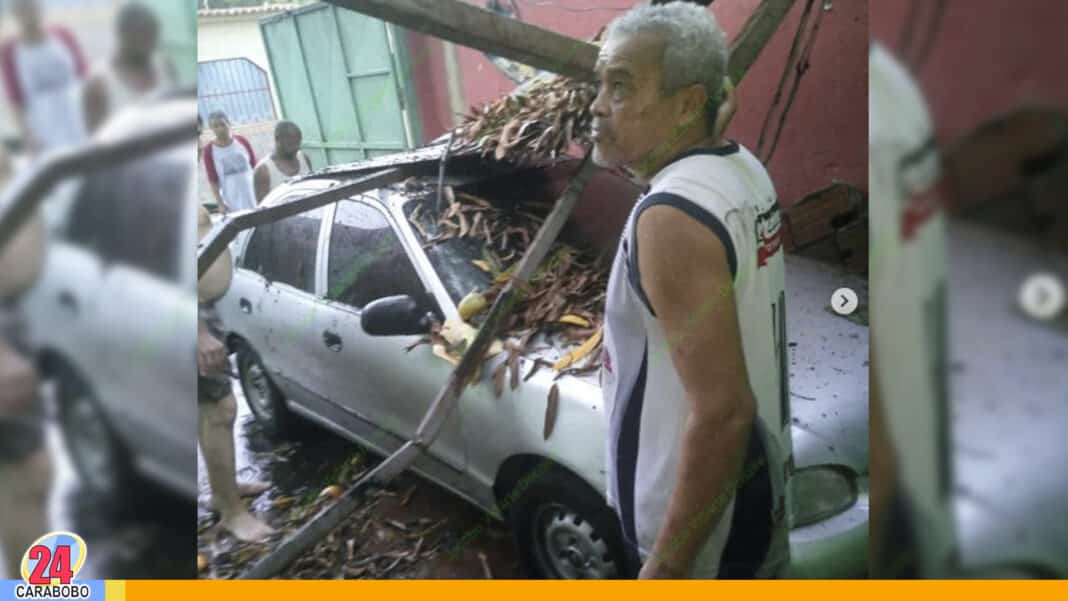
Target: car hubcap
x=258, y=391
x=568, y=546
x=91, y=445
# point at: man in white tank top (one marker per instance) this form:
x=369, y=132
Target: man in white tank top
x=912, y=519
x=693, y=378
x=135, y=72
x=286, y=162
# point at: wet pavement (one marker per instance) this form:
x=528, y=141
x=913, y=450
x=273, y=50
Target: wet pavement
x=149, y=539
x=411, y=529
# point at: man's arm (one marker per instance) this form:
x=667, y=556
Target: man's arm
x=261, y=180
x=307, y=162
x=687, y=279
x=213, y=177
x=18, y=382
x=217, y=193
x=95, y=102
x=211, y=354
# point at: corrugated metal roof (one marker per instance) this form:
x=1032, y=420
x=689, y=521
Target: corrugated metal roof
x=244, y=11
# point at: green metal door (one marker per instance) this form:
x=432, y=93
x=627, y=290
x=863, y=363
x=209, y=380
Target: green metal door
x=339, y=76
x=178, y=36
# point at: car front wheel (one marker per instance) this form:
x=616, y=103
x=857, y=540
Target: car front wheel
x=264, y=398
x=100, y=458
x=564, y=530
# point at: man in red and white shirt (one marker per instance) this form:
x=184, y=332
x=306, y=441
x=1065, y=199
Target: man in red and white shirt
x=42, y=69
x=229, y=161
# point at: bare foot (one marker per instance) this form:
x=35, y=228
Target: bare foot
x=244, y=489
x=252, y=488
x=246, y=528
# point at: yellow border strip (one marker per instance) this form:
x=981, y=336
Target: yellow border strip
x=115, y=590
x=542, y=591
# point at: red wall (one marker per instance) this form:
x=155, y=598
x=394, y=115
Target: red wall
x=431, y=84
x=825, y=136
x=987, y=58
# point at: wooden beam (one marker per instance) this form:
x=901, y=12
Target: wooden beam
x=25, y=193
x=756, y=32
x=484, y=30
x=481, y=29
x=223, y=232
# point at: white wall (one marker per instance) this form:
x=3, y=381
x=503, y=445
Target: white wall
x=227, y=37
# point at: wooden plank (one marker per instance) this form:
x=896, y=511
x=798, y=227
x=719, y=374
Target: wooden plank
x=756, y=32
x=22, y=195
x=223, y=232
x=484, y=30
x=481, y=29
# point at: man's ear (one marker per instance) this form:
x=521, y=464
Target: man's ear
x=692, y=104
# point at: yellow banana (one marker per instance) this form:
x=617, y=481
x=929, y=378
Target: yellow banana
x=576, y=355
x=471, y=305
x=575, y=320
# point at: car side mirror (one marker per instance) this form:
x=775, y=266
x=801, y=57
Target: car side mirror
x=399, y=315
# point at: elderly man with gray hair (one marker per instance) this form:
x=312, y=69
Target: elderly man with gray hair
x=694, y=382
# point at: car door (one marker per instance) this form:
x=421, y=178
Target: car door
x=140, y=323
x=377, y=377
x=272, y=302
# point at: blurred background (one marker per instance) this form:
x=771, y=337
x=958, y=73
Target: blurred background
x=96, y=302
x=969, y=123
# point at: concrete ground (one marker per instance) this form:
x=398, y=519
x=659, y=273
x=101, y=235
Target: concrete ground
x=1009, y=404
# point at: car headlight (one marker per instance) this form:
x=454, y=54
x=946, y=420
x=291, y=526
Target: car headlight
x=820, y=492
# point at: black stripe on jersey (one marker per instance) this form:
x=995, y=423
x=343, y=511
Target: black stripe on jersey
x=721, y=151
x=749, y=539
x=627, y=452
x=694, y=211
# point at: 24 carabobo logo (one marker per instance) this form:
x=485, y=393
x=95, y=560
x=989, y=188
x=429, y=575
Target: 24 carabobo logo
x=50, y=565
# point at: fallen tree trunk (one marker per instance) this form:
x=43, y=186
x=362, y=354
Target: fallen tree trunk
x=22, y=196
x=330, y=518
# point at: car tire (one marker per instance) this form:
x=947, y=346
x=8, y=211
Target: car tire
x=103, y=462
x=564, y=530
x=264, y=399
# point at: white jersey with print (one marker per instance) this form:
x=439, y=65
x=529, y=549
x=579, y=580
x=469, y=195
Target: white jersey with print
x=234, y=167
x=49, y=78
x=729, y=191
x=908, y=285
x=120, y=94
x=277, y=177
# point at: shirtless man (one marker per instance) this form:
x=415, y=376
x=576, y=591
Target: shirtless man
x=218, y=408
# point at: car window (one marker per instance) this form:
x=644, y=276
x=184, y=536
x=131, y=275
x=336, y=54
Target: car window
x=367, y=259
x=285, y=251
x=132, y=214
x=452, y=259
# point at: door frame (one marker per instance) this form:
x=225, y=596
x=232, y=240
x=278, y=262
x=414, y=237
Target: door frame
x=400, y=67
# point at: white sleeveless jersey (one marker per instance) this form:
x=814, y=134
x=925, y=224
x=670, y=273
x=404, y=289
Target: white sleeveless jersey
x=277, y=177
x=908, y=288
x=728, y=190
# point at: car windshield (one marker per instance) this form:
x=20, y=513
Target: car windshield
x=453, y=259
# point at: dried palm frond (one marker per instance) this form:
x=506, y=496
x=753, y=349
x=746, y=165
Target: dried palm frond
x=534, y=125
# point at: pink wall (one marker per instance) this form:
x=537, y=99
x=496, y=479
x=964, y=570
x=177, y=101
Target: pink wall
x=431, y=84
x=825, y=136
x=987, y=58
